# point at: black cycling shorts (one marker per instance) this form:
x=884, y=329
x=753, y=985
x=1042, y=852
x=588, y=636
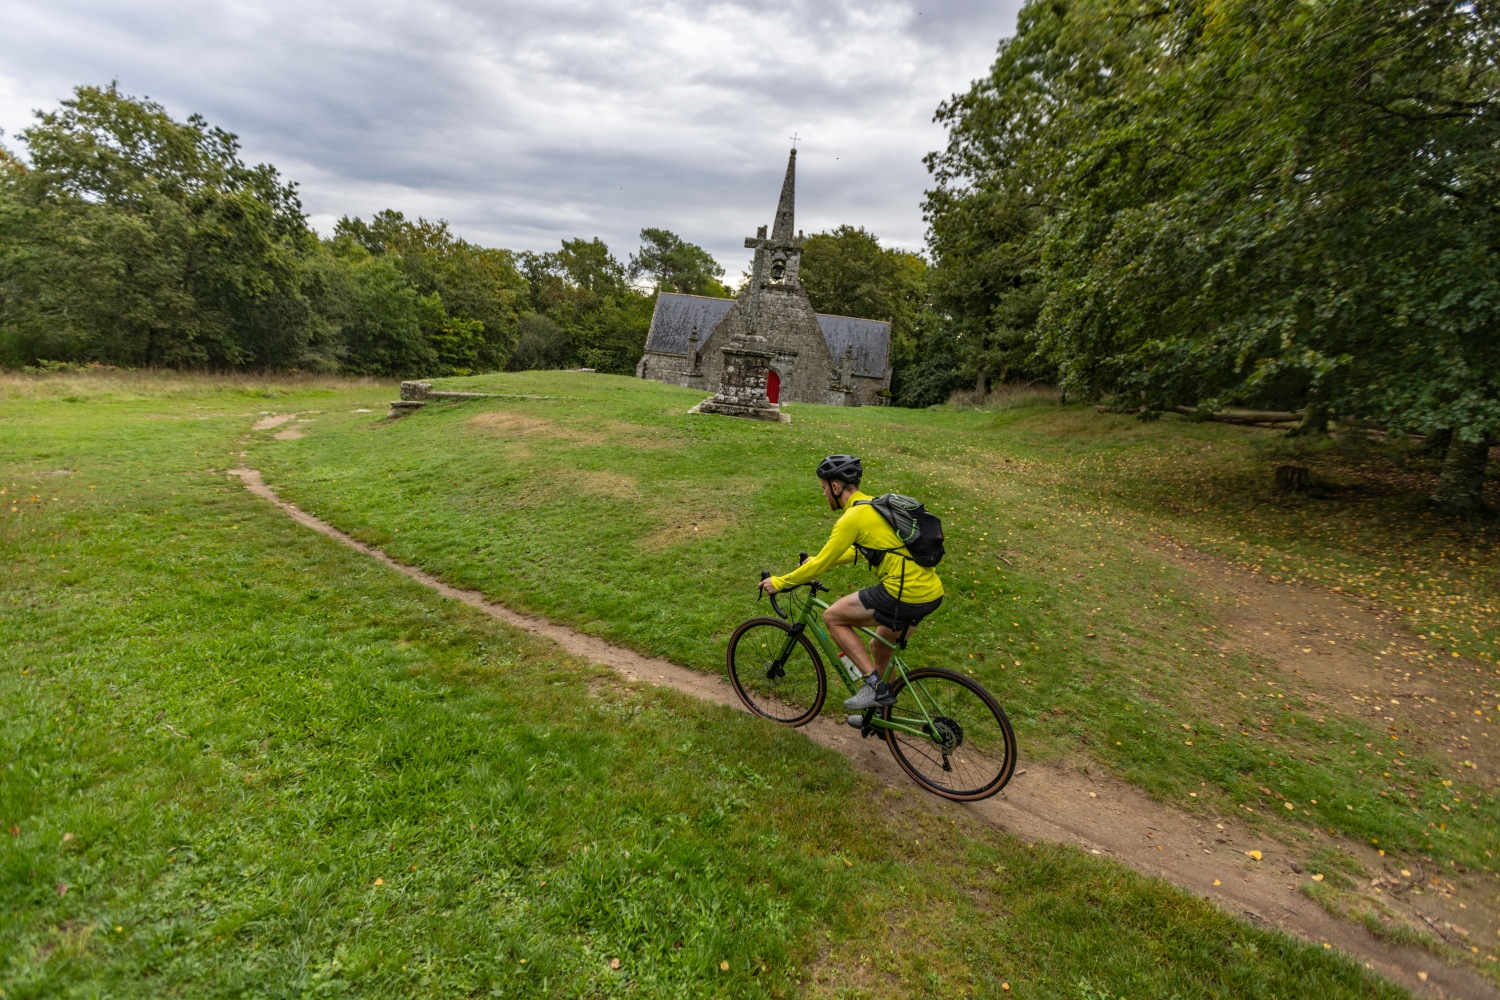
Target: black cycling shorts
x=893, y=614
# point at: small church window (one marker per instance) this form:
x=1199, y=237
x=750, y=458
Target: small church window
x=778, y=270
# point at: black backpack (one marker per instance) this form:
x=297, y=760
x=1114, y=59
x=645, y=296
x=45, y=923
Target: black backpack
x=920, y=531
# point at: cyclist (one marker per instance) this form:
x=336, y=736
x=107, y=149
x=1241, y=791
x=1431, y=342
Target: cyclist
x=905, y=594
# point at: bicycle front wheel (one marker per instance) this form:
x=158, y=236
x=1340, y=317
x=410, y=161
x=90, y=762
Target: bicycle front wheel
x=950, y=735
x=776, y=672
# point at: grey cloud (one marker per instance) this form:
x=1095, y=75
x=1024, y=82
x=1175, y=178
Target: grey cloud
x=525, y=123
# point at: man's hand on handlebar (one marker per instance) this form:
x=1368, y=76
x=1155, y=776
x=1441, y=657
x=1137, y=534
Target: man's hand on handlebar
x=767, y=586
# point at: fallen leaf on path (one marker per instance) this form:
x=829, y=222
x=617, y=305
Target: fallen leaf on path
x=1216, y=881
x=1253, y=854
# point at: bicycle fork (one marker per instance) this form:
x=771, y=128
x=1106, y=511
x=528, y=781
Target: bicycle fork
x=777, y=669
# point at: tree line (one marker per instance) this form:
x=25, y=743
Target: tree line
x=1204, y=203
x=130, y=238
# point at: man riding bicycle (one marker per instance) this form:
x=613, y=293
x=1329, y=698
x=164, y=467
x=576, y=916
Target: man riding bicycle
x=905, y=595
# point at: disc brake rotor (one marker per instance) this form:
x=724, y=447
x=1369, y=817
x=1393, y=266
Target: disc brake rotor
x=948, y=733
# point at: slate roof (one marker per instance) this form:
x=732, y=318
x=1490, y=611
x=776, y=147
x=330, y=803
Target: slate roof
x=870, y=338
x=676, y=315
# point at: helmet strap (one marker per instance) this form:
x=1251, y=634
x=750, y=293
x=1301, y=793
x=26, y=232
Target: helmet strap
x=836, y=500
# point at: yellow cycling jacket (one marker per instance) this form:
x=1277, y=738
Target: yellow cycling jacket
x=902, y=578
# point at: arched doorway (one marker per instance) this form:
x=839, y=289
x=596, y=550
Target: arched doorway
x=773, y=386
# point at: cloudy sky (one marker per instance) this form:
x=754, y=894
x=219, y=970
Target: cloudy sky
x=525, y=122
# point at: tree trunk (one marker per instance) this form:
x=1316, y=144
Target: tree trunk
x=979, y=385
x=1438, y=441
x=1460, y=489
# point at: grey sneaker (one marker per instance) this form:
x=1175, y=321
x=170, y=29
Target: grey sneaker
x=873, y=694
x=857, y=721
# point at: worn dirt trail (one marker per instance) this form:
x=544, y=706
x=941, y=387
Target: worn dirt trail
x=1096, y=813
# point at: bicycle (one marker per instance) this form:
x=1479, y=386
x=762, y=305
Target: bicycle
x=946, y=731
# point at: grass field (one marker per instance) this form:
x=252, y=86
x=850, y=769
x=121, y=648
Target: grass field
x=611, y=509
x=242, y=760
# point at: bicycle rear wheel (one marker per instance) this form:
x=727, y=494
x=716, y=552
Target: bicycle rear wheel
x=776, y=672
x=963, y=747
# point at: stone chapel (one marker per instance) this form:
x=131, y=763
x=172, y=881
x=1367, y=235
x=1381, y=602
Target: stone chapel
x=817, y=358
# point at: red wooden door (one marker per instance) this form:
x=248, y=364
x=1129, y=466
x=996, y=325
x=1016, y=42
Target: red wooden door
x=773, y=386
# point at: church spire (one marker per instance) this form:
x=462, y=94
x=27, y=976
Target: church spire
x=782, y=231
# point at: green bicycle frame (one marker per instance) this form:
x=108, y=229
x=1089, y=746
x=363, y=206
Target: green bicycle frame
x=803, y=615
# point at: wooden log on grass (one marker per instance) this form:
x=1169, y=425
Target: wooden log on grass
x=1242, y=416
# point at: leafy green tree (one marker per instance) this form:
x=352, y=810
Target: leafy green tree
x=847, y=272
x=475, y=285
x=676, y=265
x=581, y=287
x=1336, y=221
x=996, y=184
x=610, y=338
x=142, y=240
x=541, y=345
x=381, y=323
x=1215, y=202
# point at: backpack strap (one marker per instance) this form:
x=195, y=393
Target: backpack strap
x=869, y=552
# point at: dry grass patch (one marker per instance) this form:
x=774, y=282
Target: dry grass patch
x=604, y=483
x=687, y=526
x=506, y=422
x=525, y=425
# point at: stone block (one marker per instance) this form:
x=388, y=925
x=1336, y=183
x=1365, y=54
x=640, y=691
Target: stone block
x=401, y=407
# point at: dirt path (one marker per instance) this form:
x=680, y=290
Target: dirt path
x=1101, y=815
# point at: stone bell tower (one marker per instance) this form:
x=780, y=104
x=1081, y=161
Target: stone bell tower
x=777, y=259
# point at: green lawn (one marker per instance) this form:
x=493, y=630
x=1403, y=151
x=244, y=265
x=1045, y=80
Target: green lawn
x=240, y=759
x=609, y=508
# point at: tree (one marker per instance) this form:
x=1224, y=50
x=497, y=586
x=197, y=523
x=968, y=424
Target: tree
x=1337, y=219
x=376, y=314
x=581, y=288
x=847, y=272
x=1240, y=197
x=676, y=265
x=995, y=182
x=143, y=240
x=475, y=285
x=541, y=345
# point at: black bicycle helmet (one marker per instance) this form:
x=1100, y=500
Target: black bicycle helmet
x=841, y=468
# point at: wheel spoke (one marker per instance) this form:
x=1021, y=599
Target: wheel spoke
x=966, y=749
x=776, y=672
